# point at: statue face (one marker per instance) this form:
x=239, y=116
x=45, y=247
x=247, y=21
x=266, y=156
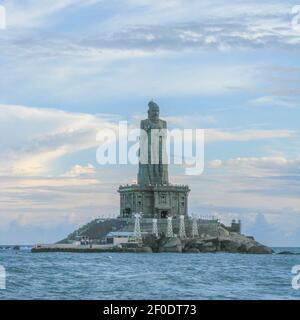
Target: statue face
x=153, y=114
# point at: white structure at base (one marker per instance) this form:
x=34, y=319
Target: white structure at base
x=170, y=228
x=118, y=237
x=195, y=232
x=182, y=233
x=154, y=227
x=137, y=227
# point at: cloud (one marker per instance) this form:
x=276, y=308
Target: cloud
x=118, y=41
x=275, y=101
x=274, y=230
x=79, y=73
x=78, y=170
x=177, y=25
x=214, y=135
x=271, y=164
x=34, y=137
x=192, y=27
x=215, y=163
x=32, y=14
x=111, y=52
x=190, y=121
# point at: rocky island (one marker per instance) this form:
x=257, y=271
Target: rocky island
x=154, y=215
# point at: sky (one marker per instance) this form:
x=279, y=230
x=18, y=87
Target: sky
x=71, y=67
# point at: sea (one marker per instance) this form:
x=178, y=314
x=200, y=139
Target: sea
x=148, y=276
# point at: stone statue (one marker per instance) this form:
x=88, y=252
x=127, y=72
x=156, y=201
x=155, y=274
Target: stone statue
x=155, y=170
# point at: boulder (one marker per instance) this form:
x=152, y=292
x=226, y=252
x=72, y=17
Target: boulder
x=194, y=243
x=260, y=249
x=172, y=249
x=170, y=245
x=230, y=246
x=238, y=243
x=191, y=250
x=202, y=245
x=286, y=252
x=143, y=250
x=223, y=232
x=152, y=242
x=222, y=240
x=209, y=249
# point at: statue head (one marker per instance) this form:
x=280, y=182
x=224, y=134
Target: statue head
x=153, y=111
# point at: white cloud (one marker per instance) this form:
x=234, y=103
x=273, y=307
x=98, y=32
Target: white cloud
x=190, y=121
x=269, y=166
x=31, y=14
x=275, y=101
x=214, y=135
x=177, y=25
x=112, y=52
x=34, y=137
x=215, y=163
x=78, y=170
x=270, y=163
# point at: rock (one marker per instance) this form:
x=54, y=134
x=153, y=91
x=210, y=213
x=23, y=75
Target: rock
x=208, y=244
x=238, y=243
x=286, y=252
x=172, y=249
x=225, y=240
x=230, y=246
x=171, y=242
x=171, y=245
x=202, y=245
x=223, y=232
x=209, y=249
x=196, y=244
x=143, y=249
x=152, y=242
x=96, y=229
x=191, y=250
x=260, y=249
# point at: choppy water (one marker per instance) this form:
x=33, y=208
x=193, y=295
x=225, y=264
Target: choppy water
x=147, y=276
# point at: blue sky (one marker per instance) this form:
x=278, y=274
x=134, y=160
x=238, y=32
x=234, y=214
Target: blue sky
x=72, y=67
